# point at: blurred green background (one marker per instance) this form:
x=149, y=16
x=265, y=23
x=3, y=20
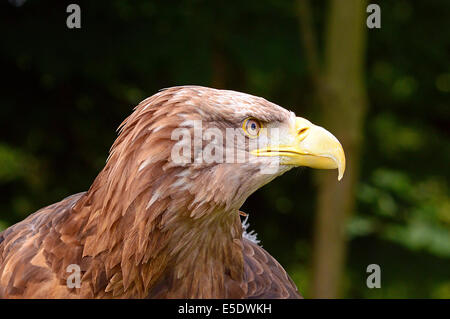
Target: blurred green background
x=65, y=92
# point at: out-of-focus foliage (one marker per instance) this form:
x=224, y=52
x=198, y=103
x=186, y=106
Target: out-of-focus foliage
x=66, y=91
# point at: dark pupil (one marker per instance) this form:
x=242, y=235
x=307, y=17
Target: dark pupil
x=253, y=126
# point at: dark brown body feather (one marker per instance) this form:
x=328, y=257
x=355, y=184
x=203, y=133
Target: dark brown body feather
x=34, y=255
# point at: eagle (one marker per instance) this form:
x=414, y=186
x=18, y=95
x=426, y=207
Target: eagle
x=162, y=219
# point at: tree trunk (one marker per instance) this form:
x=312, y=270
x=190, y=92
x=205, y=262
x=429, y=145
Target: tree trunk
x=342, y=101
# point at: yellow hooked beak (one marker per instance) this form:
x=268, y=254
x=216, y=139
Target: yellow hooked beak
x=307, y=144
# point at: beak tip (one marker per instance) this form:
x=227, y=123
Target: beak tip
x=341, y=171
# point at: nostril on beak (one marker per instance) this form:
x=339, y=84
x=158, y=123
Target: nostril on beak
x=301, y=131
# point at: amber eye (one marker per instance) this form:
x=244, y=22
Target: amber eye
x=252, y=127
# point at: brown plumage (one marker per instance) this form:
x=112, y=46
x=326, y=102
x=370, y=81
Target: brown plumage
x=149, y=227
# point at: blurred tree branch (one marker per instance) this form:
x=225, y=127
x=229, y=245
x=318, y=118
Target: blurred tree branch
x=341, y=97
